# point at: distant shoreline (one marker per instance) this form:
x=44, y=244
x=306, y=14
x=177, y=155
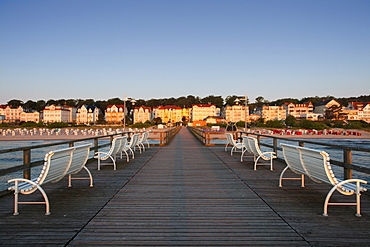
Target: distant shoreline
x=364, y=135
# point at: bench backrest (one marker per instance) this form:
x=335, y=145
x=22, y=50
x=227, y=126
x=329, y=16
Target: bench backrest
x=123, y=144
x=247, y=145
x=311, y=162
x=116, y=145
x=79, y=159
x=317, y=165
x=134, y=140
x=293, y=158
x=252, y=146
x=58, y=163
x=230, y=139
x=144, y=137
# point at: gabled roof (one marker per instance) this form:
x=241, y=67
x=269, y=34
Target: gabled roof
x=325, y=102
x=88, y=107
x=168, y=107
x=204, y=105
x=143, y=107
x=359, y=105
x=118, y=106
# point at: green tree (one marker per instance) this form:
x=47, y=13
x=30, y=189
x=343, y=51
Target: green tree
x=216, y=100
x=15, y=103
x=290, y=121
x=30, y=105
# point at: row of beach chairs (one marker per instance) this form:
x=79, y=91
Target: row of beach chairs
x=305, y=162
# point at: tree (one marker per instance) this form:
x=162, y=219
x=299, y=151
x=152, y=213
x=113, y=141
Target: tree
x=230, y=100
x=15, y=103
x=260, y=101
x=290, y=121
x=215, y=100
x=30, y=105
x=40, y=105
x=333, y=112
x=115, y=101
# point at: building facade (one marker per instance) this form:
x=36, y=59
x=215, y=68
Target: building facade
x=30, y=116
x=114, y=114
x=87, y=114
x=299, y=110
x=54, y=113
x=11, y=114
x=236, y=113
x=272, y=112
x=142, y=114
x=168, y=113
x=358, y=111
x=201, y=111
x=325, y=105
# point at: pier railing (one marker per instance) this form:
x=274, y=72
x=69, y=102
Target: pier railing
x=157, y=137
x=219, y=138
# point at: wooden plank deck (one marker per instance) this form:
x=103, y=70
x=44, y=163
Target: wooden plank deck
x=184, y=194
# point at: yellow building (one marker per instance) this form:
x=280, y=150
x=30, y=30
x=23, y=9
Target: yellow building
x=114, y=114
x=201, y=111
x=142, y=114
x=236, y=113
x=168, y=113
x=30, y=116
x=273, y=112
x=11, y=114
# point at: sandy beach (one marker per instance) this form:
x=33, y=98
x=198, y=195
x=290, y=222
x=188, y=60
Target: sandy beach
x=83, y=135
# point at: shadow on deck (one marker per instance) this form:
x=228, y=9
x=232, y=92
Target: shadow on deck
x=185, y=194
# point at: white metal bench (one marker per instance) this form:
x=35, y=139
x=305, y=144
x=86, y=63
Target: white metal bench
x=316, y=165
x=143, y=140
x=115, y=149
x=234, y=144
x=57, y=164
x=252, y=147
x=133, y=144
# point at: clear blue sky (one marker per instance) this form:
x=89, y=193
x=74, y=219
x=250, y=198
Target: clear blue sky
x=89, y=49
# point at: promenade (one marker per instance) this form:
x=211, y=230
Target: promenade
x=184, y=194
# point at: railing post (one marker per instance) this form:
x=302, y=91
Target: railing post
x=27, y=161
x=347, y=156
x=161, y=138
x=275, y=141
x=96, y=144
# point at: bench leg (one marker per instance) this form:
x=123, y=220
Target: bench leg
x=17, y=202
x=282, y=174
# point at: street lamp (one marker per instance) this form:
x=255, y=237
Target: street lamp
x=245, y=109
x=133, y=101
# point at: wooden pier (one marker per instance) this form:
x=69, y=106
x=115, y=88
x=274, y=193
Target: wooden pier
x=185, y=194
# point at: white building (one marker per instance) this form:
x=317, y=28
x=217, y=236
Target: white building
x=87, y=114
x=11, y=114
x=53, y=113
x=236, y=113
x=272, y=112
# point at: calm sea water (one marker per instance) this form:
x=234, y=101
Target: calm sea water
x=16, y=158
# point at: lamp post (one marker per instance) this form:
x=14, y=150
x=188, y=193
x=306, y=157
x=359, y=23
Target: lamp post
x=133, y=101
x=124, y=112
x=245, y=109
